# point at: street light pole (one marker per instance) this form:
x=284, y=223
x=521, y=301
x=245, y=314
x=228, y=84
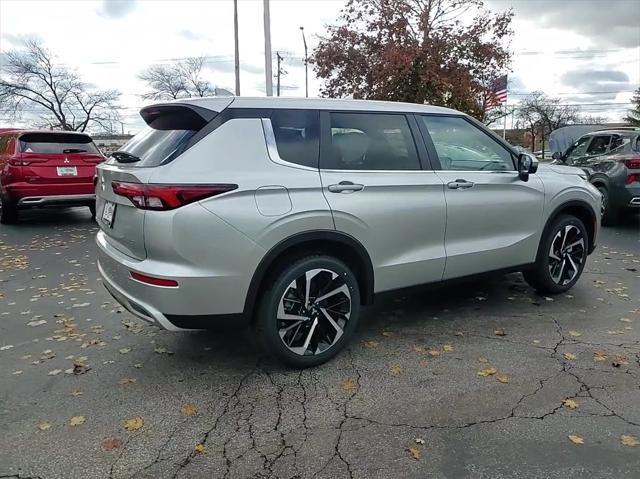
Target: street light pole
x=237, y=47
x=268, y=70
x=306, y=65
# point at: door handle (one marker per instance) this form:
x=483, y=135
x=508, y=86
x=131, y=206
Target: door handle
x=345, y=187
x=459, y=184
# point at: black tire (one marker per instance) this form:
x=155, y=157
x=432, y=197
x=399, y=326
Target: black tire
x=326, y=339
x=92, y=208
x=610, y=215
x=540, y=276
x=8, y=212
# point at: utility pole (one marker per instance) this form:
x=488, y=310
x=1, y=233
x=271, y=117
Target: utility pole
x=504, y=123
x=237, y=46
x=280, y=72
x=268, y=70
x=306, y=65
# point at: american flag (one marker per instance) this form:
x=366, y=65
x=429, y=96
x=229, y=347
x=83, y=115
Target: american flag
x=498, y=94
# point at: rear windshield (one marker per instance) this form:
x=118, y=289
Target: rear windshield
x=156, y=147
x=56, y=143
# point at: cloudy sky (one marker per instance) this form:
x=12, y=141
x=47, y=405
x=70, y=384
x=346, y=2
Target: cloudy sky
x=583, y=51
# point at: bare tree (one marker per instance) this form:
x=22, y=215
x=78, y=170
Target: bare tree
x=179, y=80
x=30, y=81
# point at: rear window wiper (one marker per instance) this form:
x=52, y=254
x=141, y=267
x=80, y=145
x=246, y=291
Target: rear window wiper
x=124, y=157
x=73, y=150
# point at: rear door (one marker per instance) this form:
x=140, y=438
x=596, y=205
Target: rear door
x=170, y=130
x=378, y=193
x=58, y=158
x=493, y=217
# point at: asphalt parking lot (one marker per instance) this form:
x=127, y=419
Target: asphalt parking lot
x=481, y=379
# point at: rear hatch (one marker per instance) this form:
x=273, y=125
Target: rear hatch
x=58, y=158
x=171, y=129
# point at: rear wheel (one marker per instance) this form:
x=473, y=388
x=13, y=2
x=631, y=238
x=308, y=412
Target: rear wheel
x=610, y=214
x=309, y=311
x=561, y=256
x=8, y=212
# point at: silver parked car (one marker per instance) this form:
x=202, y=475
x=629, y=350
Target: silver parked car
x=292, y=214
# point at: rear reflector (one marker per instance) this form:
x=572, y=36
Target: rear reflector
x=632, y=179
x=632, y=164
x=143, y=278
x=167, y=197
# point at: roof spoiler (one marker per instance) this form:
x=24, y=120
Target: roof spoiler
x=176, y=116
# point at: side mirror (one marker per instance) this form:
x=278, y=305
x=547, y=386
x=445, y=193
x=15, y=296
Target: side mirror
x=556, y=156
x=527, y=165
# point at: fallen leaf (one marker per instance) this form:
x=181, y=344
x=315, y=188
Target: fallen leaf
x=388, y=334
x=54, y=372
x=615, y=332
x=125, y=350
x=395, y=370
x=44, y=425
x=547, y=298
x=570, y=403
x=371, y=344
x=414, y=452
x=600, y=355
x=77, y=420
x=127, y=381
x=200, y=448
x=570, y=356
x=160, y=350
x=620, y=360
x=189, y=409
x=4, y=348
x=447, y=348
x=36, y=323
x=419, y=349
x=424, y=363
x=76, y=393
x=111, y=444
x=483, y=360
x=503, y=378
x=434, y=353
x=575, y=439
x=629, y=440
x=134, y=423
x=500, y=332
x=487, y=372
x=137, y=365
x=575, y=334
x=419, y=440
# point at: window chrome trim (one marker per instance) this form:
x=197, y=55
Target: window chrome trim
x=272, y=147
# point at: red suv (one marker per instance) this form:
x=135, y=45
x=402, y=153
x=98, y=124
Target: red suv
x=46, y=168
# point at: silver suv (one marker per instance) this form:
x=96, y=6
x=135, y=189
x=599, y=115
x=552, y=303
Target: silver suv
x=293, y=214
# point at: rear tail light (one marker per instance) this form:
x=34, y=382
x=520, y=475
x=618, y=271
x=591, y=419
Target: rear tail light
x=632, y=163
x=23, y=162
x=167, y=197
x=632, y=179
x=153, y=281
x=94, y=160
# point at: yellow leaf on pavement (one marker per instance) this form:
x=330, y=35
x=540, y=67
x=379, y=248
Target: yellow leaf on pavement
x=395, y=370
x=487, y=372
x=127, y=381
x=200, y=448
x=500, y=332
x=371, y=344
x=189, y=409
x=434, y=353
x=575, y=439
x=600, y=355
x=503, y=378
x=77, y=420
x=570, y=403
x=570, y=356
x=414, y=452
x=348, y=385
x=44, y=425
x=134, y=423
x=447, y=348
x=629, y=440
x=575, y=334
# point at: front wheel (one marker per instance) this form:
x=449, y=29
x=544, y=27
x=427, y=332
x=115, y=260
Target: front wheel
x=309, y=311
x=561, y=256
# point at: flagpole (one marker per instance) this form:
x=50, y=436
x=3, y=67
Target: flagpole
x=504, y=122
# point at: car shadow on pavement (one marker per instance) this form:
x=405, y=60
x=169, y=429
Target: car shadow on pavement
x=47, y=217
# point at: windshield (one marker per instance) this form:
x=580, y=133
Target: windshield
x=56, y=144
x=156, y=147
x=577, y=149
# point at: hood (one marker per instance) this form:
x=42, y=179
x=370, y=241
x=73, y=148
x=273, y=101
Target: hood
x=563, y=170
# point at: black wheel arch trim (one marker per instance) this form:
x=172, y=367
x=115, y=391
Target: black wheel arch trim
x=366, y=296
x=568, y=205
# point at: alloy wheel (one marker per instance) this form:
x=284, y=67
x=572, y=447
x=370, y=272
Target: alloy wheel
x=313, y=312
x=566, y=254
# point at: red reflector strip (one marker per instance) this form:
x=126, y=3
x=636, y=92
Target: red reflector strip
x=632, y=179
x=143, y=278
x=167, y=197
x=633, y=164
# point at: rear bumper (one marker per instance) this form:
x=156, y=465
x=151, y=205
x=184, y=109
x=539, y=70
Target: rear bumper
x=626, y=196
x=199, y=302
x=57, y=200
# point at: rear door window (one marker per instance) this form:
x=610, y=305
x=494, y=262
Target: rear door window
x=370, y=141
x=598, y=145
x=56, y=143
x=297, y=134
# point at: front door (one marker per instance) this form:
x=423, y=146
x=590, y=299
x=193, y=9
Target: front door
x=379, y=194
x=493, y=217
